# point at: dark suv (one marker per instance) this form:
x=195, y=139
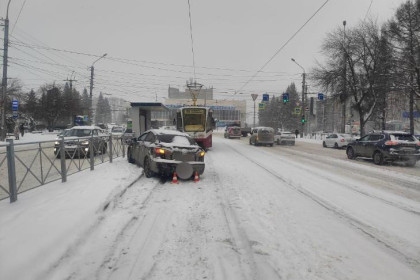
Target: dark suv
x=386, y=146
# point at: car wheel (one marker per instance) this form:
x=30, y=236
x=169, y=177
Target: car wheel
x=271, y=145
x=324, y=144
x=129, y=157
x=147, y=170
x=250, y=143
x=411, y=162
x=378, y=158
x=278, y=142
x=350, y=153
x=335, y=145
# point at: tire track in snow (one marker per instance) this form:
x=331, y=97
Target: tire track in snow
x=346, y=185
x=412, y=184
x=251, y=268
x=367, y=230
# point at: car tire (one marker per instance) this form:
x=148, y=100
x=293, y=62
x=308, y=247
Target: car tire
x=335, y=145
x=147, y=170
x=324, y=144
x=250, y=143
x=129, y=157
x=278, y=142
x=378, y=158
x=350, y=153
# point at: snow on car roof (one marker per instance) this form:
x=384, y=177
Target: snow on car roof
x=168, y=132
x=86, y=127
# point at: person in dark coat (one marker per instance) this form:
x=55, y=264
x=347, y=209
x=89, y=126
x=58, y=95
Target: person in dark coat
x=22, y=129
x=296, y=133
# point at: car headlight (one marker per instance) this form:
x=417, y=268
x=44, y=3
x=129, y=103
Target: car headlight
x=84, y=143
x=57, y=143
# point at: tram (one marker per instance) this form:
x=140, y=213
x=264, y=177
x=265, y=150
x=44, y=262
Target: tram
x=197, y=122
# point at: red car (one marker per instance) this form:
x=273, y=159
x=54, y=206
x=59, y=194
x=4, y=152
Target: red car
x=233, y=132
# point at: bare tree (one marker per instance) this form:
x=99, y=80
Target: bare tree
x=362, y=47
x=404, y=31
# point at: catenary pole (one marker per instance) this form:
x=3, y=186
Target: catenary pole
x=4, y=80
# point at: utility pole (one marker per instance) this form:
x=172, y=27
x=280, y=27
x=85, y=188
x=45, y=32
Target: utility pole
x=303, y=94
x=70, y=81
x=4, y=81
x=344, y=98
x=92, y=69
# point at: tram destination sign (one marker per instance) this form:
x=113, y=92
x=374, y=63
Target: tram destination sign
x=193, y=111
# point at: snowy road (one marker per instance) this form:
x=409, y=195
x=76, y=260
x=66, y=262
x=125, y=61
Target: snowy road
x=257, y=213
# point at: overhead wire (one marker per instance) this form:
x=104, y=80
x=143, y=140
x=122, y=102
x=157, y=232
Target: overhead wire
x=284, y=45
x=20, y=11
x=192, y=40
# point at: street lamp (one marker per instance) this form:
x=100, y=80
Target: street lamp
x=92, y=69
x=4, y=81
x=303, y=92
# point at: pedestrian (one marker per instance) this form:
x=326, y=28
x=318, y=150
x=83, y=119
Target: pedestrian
x=22, y=129
x=16, y=132
x=296, y=132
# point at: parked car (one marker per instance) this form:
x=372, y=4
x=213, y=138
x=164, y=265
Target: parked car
x=232, y=132
x=337, y=140
x=386, y=146
x=262, y=136
x=284, y=138
x=117, y=131
x=163, y=152
x=77, y=141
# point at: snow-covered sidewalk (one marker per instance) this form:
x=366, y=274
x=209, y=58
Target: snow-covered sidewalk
x=37, y=230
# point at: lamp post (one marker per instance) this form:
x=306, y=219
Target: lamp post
x=92, y=69
x=4, y=81
x=344, y=95
x=303, y=92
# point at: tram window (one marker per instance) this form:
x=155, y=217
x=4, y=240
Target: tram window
x=194, y=122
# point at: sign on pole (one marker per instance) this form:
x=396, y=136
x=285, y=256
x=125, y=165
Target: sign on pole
x=15, y=105
x=261, y=106
x=266, y=97
x=320, y=96
x=297, y=111
x=254, y=96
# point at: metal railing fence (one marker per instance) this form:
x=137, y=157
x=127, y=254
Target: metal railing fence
x=24, y=166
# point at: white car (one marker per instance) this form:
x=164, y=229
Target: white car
x=338, y=140
x=284, y=138
x=117, y=131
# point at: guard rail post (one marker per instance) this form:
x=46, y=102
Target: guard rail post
x=123, y=142
x=91, y=153
x=110, y=148
x=63, y=160
x=11, y=170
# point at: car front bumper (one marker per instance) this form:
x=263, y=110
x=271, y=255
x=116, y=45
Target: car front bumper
x=168, y=167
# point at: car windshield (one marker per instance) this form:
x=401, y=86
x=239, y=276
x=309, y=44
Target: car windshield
x=175, y=139
x=117, y=129
x=78, y=132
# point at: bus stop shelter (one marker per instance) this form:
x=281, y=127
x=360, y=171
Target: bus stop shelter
x=141, y=115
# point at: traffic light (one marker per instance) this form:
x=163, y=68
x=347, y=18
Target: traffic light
x=285, y=98
x=302, y=120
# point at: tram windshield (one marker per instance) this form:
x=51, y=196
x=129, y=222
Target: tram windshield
x=194, y=119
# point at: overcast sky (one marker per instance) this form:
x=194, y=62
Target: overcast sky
x=148, y=43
